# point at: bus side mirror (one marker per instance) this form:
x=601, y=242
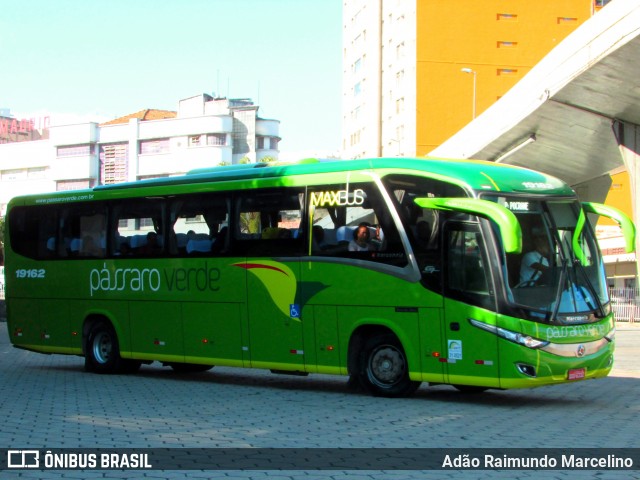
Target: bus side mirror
x=508, y=225
x=627, y=226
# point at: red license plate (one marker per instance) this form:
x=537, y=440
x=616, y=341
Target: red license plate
x=576, y=374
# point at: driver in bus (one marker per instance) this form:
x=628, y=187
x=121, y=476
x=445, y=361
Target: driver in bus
x=536, y=262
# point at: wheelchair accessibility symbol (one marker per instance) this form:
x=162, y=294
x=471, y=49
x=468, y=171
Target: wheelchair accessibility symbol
x=294, y=310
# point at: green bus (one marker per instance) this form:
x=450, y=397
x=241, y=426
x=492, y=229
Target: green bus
x=392, y=271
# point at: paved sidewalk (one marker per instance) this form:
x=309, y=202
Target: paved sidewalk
x=50, y=402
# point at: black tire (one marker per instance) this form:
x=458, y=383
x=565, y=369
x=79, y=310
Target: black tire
x=384, y=370
x=190, y=367
x=102, y=351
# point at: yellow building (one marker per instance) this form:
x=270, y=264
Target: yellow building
x=417, y=71
x=470, y=53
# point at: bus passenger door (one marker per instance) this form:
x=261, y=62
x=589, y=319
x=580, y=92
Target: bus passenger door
x=270, y=235
x=471, y=354
x=275, y=326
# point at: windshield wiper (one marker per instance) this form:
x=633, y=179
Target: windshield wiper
x=563, y=274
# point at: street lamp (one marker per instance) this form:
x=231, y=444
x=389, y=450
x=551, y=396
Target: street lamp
x=468, y=70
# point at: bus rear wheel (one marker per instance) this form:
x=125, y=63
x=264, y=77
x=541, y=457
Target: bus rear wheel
x=102, y=351
x=384, y=370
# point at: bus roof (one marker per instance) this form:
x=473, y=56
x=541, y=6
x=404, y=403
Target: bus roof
x=474, y=174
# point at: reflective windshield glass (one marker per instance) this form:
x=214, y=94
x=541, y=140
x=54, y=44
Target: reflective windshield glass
x=559, y=272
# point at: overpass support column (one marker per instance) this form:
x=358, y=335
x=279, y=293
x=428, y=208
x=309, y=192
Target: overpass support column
x=628, y=139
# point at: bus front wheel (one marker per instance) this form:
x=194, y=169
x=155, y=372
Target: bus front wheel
x=102, y=351
x=384, y=370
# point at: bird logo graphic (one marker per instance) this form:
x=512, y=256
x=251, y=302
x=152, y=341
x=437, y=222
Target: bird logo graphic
x=283, y=287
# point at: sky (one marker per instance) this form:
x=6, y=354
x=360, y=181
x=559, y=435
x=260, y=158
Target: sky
x=96, y=60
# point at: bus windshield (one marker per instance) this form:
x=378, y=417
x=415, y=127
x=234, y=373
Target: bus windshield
x=559, y=275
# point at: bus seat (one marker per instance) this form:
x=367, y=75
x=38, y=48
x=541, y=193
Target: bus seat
x=201, y=246
x=344, y=234
x=137, y=241
x=51, y=244
x=181, y=240
x=75, y=245
x=330, y=236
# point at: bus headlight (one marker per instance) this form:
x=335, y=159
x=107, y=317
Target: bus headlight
x=525, y=340
x=611, y=336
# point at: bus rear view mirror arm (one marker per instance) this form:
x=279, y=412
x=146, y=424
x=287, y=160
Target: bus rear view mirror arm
x=510, y=230
x=627, y=226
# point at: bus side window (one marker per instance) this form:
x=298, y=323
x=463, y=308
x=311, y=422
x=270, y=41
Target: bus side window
x=139, y=229
x=358, y=208
x=269, y=222
x=199, y=224
x=34, y=232
x=83, y=230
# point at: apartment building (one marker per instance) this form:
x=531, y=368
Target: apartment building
x=417, y=71
x=204, y=132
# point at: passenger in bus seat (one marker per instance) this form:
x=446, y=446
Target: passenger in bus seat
x=318, y=240
x=361, y=240
x=152, y=246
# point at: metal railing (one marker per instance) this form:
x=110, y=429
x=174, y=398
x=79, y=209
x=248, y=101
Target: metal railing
x=625, y=303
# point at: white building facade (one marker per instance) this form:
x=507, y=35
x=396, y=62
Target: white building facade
x=378, y=78
x=205, y=132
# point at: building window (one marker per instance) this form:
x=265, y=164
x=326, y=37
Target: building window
x=11, y=175
x=274, y=143
x=113, y=163
x=357, y=65
x=259, y=143
x=38, y=172
x=567, y=20
x=217, y=139
x=155, y=146
x=195, y=140
x=74, y=151
x=400, y=79
x=66, y=185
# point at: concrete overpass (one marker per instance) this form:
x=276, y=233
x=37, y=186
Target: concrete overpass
x=576, y=114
